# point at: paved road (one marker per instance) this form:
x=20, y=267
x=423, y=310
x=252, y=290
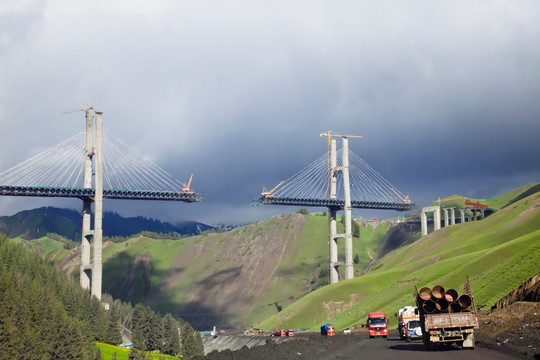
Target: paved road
x=396, y=349
x=313, y=346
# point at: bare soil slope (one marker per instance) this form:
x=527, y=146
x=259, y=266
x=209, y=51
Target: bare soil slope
x=226, y=274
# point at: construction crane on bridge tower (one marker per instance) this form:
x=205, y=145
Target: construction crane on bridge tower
x=86, y=110
x=186, y=186
x=329, y=135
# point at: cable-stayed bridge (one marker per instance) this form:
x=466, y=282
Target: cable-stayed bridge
x=311, y=187
x=92, y=166
x=338, y=180
x=127, y=174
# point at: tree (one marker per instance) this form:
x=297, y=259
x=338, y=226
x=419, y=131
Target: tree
x=154, y=335
x=191, y=342
x=113, y=335
x=98, y=356
x=138, y=324
x=355, y=229
x=171, y=339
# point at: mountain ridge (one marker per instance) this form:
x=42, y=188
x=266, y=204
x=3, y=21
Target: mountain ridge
x=35, y=223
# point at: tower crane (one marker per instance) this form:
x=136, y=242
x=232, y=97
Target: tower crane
x=329, y=134
x=86, y=110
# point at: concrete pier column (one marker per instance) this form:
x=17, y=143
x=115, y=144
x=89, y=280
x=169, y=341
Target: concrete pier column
x=462, y=213
x=349, y=266
x=452, y=216
x=446, y=219
x=436, y=210
x=86, y=239
x=482, y=214
x=333, y=246
x=437, y=218
x=86, y=235
x=423, y=222
x=470, y=215
x=98, y=210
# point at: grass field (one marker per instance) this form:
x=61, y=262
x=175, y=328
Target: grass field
x=107, y=352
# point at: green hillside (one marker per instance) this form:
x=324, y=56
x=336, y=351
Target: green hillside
x=498, y=254
x=497, y=202
x=273, y=263
x=276, y=269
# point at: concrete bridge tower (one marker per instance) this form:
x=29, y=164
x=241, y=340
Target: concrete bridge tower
x=91, y=273
x=334, y=236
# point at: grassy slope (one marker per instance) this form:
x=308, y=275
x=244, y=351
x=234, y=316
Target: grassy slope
x=308, y=251
x=498, y=253
x=497, y=202
x=366, y=247
x=107, y=352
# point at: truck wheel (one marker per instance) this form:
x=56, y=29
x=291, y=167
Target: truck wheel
x=407, y=340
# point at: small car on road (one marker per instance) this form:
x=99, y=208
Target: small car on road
x=413, y=331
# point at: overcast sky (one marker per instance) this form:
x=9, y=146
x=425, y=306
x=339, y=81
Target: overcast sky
x=445, y=93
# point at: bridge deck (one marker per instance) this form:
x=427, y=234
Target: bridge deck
x=83, y=193
x=357, y=204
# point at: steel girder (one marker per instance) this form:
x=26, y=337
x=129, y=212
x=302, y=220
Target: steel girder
x=358, y=204
x=83, y=193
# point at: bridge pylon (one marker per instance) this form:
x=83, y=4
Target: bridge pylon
x=334, y=236
x=91, y=273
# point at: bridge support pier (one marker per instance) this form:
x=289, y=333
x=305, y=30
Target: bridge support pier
x=333, y=247
x=449, y=219
x=91, y=273
x=334, y=264
x=436, y=218
x=423, y=222
x=349, y=269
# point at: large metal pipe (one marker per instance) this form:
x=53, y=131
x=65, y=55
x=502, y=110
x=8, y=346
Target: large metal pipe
x=437, y=292
x=465, y=301
x=442, y=305
x=425, y=293
x=455, y=307
x=429, y=306
x=451, y=295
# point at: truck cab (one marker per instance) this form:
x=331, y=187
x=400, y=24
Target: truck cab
x=377, y=324
x=328, y=330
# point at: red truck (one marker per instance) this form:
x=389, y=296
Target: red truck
x=377, y=324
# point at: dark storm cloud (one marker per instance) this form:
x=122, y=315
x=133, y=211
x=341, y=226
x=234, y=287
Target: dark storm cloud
x=445, y=94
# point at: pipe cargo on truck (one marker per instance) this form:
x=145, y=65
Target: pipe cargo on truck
x=446, y=319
